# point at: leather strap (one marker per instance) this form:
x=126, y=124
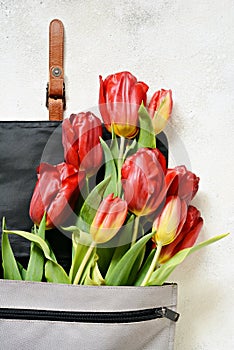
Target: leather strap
x=56, y=88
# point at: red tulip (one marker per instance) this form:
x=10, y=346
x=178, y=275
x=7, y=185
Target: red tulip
x=182, y=182
x=143, y=181
x=187, y=236
x=120, y=97
x=170, y=221
x=81, y=142
x=160, y=108
x=109, y=218
x=56, y=192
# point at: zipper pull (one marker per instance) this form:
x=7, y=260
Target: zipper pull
x=168, y=313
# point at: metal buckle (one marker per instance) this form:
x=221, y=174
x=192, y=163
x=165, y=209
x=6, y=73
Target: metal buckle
x=55, y=97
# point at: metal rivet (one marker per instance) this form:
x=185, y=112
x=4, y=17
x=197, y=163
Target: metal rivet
x=56, y=72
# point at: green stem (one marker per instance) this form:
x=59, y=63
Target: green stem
x=120, y=163
x=112, y=132
x=135, y=230
x=153, y=265
x=87, y=185
x=83, y=264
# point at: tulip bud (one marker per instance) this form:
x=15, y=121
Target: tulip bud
x=120, y=97
x=182, y=183
x=143, y=181
x=109, y=218
x=56, y=192
x=160, y=108
x=169, y=223
x=187, y=236
x=81, y=142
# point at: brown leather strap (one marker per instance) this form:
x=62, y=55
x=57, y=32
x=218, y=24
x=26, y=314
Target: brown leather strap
x=56, y=88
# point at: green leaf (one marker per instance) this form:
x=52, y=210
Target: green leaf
x=121, y=272
x=160, y=275
x=91, y=204
x=52, y=255
x=22, y=270
x=33, y=238
x=136, y=266
x=97, y=276
x=131, y=148
x=123, y=244
x=144, y=269
x=53, y=271
x=146, y=133
x=86, y=272
x=10, y=267
x=110, y=170
x=94, y=276
x=114, y=147
x=104, y=257
x=72, y=228
x=35, y=268
x=79, y=254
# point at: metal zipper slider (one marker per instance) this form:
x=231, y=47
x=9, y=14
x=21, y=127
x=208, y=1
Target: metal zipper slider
x=168, y=313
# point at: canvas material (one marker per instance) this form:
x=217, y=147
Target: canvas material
x=22, y=148
x=147, y=335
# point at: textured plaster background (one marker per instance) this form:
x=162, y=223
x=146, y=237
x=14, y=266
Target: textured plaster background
x=185, y=45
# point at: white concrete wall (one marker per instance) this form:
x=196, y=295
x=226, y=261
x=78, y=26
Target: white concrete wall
x=186, y=45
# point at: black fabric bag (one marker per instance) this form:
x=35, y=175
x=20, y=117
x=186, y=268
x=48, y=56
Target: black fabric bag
x=23, y=145
x=21, y=150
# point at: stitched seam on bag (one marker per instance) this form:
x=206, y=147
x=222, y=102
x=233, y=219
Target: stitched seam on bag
x=79, y=323
x=171, y=329
x=29, y=124
x=63, y=286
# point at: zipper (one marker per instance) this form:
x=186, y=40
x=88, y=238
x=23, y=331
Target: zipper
x=89, y=317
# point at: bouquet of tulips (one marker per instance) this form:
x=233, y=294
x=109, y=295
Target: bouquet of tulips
x=130, y=217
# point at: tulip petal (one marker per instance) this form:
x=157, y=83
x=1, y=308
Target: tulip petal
x=120, y=96
x=187, y=236
x=143, y=181
x=166, y=225
x=160, y=108
x=109, y=218
x=56, y=192
x=181, y=182
x=69, y=143
x=191, y=237
x=82, y=149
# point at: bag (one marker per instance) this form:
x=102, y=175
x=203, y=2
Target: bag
x=21, y=149
x=23, y=145
x=56, y=316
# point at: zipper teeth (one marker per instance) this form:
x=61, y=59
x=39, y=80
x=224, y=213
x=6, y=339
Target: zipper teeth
x=90, y=317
